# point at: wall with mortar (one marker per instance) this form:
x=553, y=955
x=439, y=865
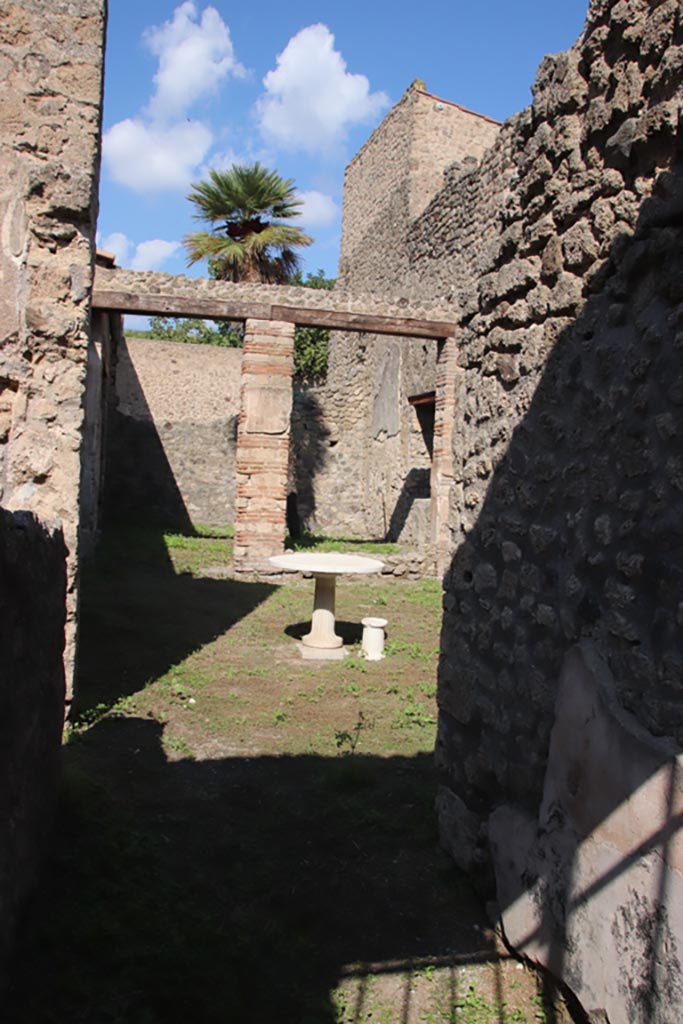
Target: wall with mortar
x=564, y=251
x=373, y=474
x=50, y=101
x=50, y=98
x=172, y=434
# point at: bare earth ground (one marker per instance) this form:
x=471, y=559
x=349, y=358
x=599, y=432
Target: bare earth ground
x=248, y=837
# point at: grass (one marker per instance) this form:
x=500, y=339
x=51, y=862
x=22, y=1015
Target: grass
x=317, y=542
x=244, y=835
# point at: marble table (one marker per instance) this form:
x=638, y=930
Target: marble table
x=325, y=567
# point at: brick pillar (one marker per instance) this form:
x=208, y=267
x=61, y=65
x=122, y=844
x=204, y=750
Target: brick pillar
x=448, y=376
x=263, y=444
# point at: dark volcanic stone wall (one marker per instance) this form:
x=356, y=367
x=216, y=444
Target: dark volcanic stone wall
x=563, y=604
x=565, y=251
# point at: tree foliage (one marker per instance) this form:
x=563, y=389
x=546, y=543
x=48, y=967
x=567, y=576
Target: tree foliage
x=311, y=344
x=191, y=331
x=248, y=241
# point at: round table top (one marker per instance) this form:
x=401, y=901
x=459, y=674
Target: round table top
x=325, y=563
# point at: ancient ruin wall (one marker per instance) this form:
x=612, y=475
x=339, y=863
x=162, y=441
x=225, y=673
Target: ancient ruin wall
x=564, y=250
x=171, y=442
x=393, y=177
x=50, y=100
x=372, y=474
x=32, y=603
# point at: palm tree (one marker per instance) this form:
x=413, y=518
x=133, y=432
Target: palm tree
x=248, y=241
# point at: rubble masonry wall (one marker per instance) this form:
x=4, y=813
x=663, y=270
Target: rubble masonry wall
x=372, y=474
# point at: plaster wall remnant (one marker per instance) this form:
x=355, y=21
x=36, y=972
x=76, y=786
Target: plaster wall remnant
x=387, y=184
x=51, y=72
x=173, y=433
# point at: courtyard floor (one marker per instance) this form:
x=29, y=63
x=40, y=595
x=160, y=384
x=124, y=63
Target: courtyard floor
x=245, y=836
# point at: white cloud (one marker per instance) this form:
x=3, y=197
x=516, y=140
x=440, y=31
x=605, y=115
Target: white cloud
x=310, y=98
x=149, y=255
x=150, y=158
x=318, y=210
x=161, y=148
x=152, y=254
x=194, y=56
x=117, y=243
x=221, y=161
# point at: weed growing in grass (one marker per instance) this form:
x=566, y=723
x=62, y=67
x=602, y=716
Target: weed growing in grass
x=412, y=713
x=178, y=745
x=280, y=716
x=348, y=741
x=413, y=650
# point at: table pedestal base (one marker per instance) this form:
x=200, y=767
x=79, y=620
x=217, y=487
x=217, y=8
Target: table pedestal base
x=322, y=635
x=322, y=653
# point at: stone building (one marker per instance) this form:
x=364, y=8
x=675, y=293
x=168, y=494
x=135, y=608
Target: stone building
x=555, y=469
x=371, y=474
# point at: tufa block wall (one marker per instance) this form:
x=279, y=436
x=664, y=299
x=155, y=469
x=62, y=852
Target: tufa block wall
x=50, y=100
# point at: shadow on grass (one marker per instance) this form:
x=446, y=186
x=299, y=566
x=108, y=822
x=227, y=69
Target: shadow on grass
x=236, y=889
x=139, y=616
x=350, y=632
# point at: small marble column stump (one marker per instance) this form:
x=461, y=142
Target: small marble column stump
x=263, y=444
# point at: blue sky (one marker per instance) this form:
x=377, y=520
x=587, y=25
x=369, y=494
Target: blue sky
x=189, y=86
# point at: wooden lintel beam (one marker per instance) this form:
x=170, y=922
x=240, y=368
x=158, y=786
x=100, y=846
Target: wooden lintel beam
x=178, y=305
x=426, y=398
x=369, y=322
x=164, y=304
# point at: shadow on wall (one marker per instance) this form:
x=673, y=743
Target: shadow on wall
x=563, y=613
x=310, y=440
x=243, y=889
x=415, y=488
x=139, y=486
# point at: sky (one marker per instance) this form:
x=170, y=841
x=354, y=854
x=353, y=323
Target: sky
x=299, y=87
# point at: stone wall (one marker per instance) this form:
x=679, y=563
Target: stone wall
x=172, y=435
x=32, y=611
x=373, y=478
x=50, y=103
x=564, y=251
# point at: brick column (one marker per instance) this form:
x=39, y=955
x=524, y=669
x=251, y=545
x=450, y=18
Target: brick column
x=448, y=375
x=263, y=444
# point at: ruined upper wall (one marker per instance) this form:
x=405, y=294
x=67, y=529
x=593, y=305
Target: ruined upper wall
x=393, y=177
x=51, y=58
